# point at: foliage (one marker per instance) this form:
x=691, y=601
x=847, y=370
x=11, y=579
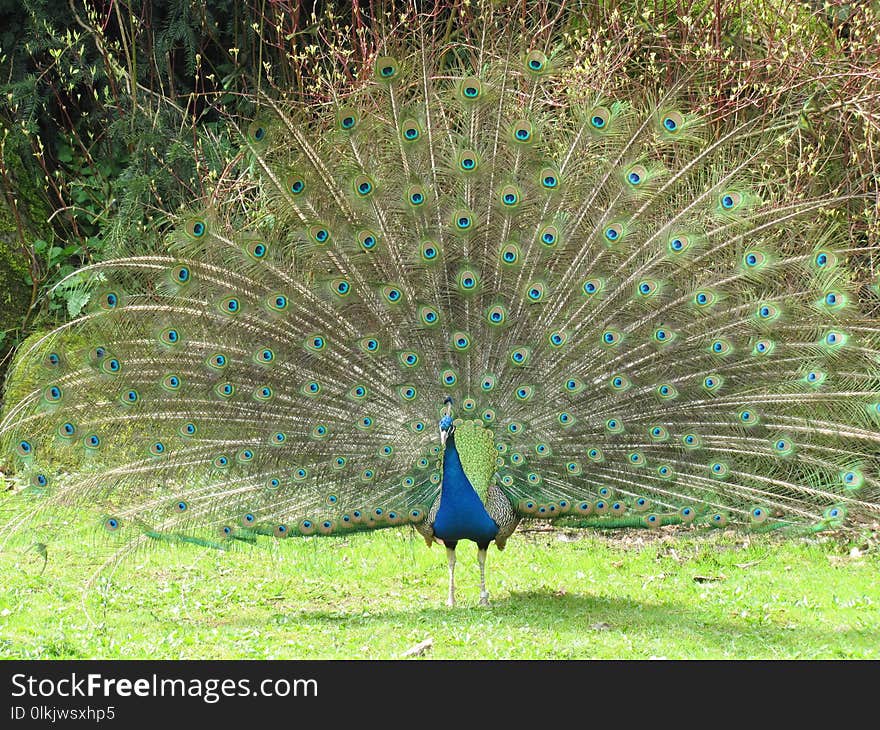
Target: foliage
x=14, y=292
x=119, y=111
x=85, y=114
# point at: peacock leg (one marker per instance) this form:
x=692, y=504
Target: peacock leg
x=481, y=559
x=450, y=559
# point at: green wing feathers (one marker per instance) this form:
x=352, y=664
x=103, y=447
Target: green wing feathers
x=476, y=448
x=638, y=316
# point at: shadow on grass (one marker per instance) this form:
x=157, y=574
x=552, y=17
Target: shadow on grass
x=582, y=616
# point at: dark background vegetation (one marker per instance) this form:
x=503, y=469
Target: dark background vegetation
x=114, y=113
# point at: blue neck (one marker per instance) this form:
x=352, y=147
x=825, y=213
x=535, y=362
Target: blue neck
x=462, y=515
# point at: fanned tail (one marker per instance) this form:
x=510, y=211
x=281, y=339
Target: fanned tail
x=658, y=318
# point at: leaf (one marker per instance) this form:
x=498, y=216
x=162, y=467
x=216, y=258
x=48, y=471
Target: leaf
x=76, y=300
x=419, y=649
x=749, y=564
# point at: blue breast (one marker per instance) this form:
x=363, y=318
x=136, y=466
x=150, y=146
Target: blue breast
x=462, y=515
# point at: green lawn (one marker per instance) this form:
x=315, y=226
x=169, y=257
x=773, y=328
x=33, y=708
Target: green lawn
x=555, y=594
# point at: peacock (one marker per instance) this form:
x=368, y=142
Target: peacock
x=473, y=284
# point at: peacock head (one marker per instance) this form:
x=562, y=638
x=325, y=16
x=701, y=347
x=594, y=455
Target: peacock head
x=446, y=424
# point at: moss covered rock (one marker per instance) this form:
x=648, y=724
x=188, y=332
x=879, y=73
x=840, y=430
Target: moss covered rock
x=27, y=374
x=15, y=294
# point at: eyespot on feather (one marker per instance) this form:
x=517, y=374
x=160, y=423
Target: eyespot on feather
x=470, y=88
x=386, y=68
x=536, y=63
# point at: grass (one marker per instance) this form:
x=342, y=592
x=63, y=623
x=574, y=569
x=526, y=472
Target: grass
x=556, y=594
